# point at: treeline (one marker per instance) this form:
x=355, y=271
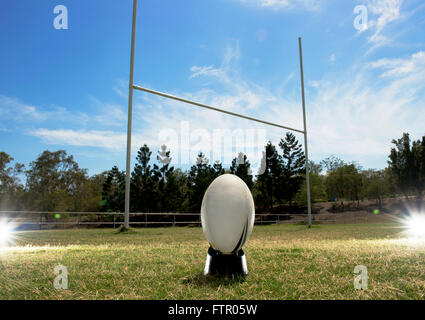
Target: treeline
x=55, y=182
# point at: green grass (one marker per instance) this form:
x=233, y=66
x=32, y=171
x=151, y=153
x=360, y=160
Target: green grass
x=284, y=262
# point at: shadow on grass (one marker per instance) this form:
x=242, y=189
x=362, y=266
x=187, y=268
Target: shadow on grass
x=200, y=280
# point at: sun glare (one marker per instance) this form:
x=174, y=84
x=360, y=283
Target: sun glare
x=415, y=224
x=6, y=233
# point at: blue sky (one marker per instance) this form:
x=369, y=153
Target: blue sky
x=67, y=89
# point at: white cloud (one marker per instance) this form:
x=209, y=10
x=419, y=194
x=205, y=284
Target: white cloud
x=103, y=139
x=13, y=109
x=14, y=114
x=205, y=71
x=115, y=141
x=221, y=74
x=332, y=58
x=121, y=88
x=309, y=5
x=387, y=11
x=120, y=92
x=109, y=114
x=232, y=54
x=400, y=67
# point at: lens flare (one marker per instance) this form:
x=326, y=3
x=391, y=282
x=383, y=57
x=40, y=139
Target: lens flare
x=6, y=233
x=416, y=225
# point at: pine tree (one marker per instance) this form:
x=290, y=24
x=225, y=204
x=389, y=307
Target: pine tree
x=200, y=177
x=267, y=182
x=172, y=195
x=144, y=192
x=162, y=175
x=113, y=191
x=218, y=169
x=293, y=168
x=242, y=168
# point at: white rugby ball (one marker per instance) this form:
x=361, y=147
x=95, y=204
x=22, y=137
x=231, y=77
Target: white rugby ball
x=227, y=213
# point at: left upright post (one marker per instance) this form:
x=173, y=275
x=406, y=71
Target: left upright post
x=130, y=113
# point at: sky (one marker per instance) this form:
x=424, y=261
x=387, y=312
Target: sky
x=67, y=88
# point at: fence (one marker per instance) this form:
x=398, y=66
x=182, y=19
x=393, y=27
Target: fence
x=50, y=220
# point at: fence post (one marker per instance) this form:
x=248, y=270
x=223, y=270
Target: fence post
x=146, y=220
x=174, y=220
x=78, y=221
x=39, y=221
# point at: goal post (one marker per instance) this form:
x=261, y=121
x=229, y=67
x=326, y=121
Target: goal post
x=307, y=169
x=133, y=87
x=129, y=121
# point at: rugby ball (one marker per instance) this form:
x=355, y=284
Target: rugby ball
x=227, y=213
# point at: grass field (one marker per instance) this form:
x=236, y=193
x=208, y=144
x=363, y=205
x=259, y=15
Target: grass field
x=284, y=262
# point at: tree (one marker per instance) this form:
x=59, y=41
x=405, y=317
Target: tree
x=293, y=168
x=218, y=169
x=172, y=198
x=242, y=168
x=317, y=186
x=266, y=186
x=11, y=190
x=168, y=191
x=401, y=163
x=144, y=183
x=377, y=184
x=90, y=194
x=344, y=182
x=332, y=163
x=113, y=191
x=182, y=200
x=53, y=179
x=407, y=162
x=200, y=177
x=418, y=150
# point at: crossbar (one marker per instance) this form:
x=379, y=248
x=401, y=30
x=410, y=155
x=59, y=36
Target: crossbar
x=169, y=96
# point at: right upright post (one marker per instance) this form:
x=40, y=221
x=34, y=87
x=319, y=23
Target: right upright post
x=307, y=169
